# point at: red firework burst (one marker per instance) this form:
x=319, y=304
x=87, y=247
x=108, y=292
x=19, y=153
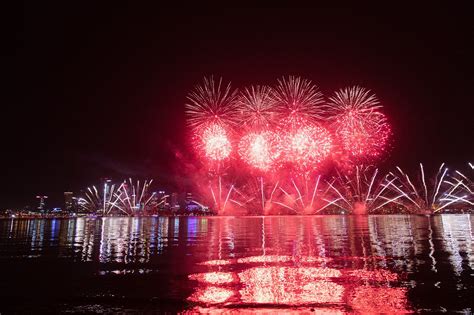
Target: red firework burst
x=360, y=128
x=214, y=142
x=298, y=98
x=257, y=107
x=364, y=138
x=306, y=145
x=260, y=150
x=212, y=102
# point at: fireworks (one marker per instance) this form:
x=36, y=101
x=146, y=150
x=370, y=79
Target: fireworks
x=127, y=198
x=306, y=145
x=133, y=197
x=215, y=142
x=260, y=150
x=303, y=196
x=102, y=200
x=432, y=194
x=212, y=102
x=257, y=107
x=286, y=134
x=298, y=98
x=361, y=129
x=363, y=191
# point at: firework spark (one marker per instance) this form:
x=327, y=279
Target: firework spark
x=213, y=140
x=363, y=191
x=103, y=200
x=298, y=98
x=212, y=103
x=257, y=195
x=361, y=129
x=257, y=107
x=432, y=194
x=303, y=195
x=260, y=149
x=220, y=193
x=134, y=197
x=306, y=145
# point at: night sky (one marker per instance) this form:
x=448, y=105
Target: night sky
x=101, y=89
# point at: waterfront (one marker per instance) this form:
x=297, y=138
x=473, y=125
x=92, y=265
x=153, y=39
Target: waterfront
x=335, y=264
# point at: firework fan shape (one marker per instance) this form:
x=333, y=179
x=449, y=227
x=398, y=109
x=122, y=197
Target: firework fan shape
x=257, y=107
x=260, y=150
x=359, y=126
x=214, y=142
x=432, y=194
x=298, y=98
x=212, y=102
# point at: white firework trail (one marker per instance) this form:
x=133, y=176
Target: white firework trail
x=212, y=102
x=355, y=99
x=257, y=107
x=299, y=99
x=221, y=194
x=364, y=191
x=304, y=195
x=433, y=194
x=134, y=197
x=102, y=201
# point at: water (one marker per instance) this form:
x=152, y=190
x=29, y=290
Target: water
x=330, y=264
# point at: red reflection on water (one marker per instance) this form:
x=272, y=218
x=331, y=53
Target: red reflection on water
x=374, y=275
x=370, y=300
x=266, y=311
x=220, y=262
x=280, y=259
x=212, y=295
x=289, y=285
x=262, y=259
x=282, y=280
x=213, y=277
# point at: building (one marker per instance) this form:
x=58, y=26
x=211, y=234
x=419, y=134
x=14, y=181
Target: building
x=174, y=202
x=42, y=203
x=68, y=201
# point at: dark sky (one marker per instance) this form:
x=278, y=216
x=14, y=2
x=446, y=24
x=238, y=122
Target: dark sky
x=101, y=89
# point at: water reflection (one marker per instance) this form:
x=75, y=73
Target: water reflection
x=297, y=281
x=334, y=263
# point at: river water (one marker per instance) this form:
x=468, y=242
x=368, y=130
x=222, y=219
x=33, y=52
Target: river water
x=301, y=264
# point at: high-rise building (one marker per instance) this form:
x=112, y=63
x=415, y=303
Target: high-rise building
x=174, y=201
x=42, y=203
x=68, y=201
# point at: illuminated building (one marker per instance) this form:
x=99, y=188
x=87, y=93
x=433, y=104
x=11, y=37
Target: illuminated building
x=42, y=203
x=68, y=201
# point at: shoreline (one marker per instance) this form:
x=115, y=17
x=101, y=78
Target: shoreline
x=216, y=215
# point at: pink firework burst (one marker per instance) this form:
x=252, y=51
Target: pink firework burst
x=257, y=107
x=260, y=149
x=298, y=98
x=360, y=128
x=214, y=142
x=212, y=102
x=306, y=145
